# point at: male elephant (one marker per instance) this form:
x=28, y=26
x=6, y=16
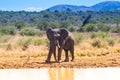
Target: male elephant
x=62, y=39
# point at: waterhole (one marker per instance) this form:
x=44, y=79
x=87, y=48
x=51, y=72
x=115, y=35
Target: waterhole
x=61, y=74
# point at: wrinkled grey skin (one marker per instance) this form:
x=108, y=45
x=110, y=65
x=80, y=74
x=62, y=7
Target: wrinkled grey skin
x=61, y=39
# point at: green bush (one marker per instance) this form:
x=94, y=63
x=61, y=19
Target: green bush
x=93, y=35
x=103, y=34
x=115, y=29
x=19, y=24
x=65, y=24
x=11, y=30
x=43, y=25
x=72, y=28
x=90, y=28
x=103, y=28
x=29, y=31
x=54, y=25
x=99, y=35
x=39, y=41
x=24, y=42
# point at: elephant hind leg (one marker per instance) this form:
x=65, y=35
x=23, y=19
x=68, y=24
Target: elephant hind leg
x=72, y=54
x=66, y=55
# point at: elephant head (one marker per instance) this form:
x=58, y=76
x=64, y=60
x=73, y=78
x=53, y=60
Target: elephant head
x=53, y=36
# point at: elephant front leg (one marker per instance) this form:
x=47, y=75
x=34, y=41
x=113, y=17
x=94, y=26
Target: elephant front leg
x=55, y=54
x=61, y=43
x=59, y=54
x=49, y=55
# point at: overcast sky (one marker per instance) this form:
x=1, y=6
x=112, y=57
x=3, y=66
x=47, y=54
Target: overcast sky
x=38, y=5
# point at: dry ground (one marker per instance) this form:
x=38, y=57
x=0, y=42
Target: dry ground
x=39, y=62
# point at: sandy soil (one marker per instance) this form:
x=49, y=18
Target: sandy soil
x=80, y=62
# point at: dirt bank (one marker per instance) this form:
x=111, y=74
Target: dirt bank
x=80, y=62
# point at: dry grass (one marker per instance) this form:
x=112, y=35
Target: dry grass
x=12, y=55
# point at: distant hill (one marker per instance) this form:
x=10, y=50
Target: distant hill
x=63, y=7
x=107, y=5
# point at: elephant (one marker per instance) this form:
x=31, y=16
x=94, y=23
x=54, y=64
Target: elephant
x=62, y=39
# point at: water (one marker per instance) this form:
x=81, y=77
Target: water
x=61, y=74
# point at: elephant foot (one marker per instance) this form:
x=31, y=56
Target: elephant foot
x=56, y=60
x=66, y=60
x=59, y=61
x=72, y=60
x=47, y=61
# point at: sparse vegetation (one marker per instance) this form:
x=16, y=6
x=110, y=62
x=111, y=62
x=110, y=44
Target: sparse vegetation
x=23, y=36
x=29, y=31
x=8, y=30
x=19, y=49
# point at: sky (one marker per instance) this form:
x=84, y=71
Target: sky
x=38, y=5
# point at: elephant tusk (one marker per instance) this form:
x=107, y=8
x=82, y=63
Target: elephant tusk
x=58, y=44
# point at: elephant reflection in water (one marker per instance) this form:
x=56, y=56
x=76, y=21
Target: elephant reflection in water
x=61, y=73
x=62, y=39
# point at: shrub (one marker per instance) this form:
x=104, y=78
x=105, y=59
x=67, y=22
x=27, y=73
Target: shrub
x=96, y=43
x=93, y=35
x=99, y=43
x=65, y=24
x=111, y=41
x=103, y=34
x=19, y=24
x=78, y=38
x=115, y=29
x=99, y=34
x=72, y=28
x=54, y=25
x=8, y=30
x=103, y=28
x=29, y=31
x=4, y=38
x=39, y=41
x=43, y=25
x=24, y=42
x=9, y=46
x=90, y=28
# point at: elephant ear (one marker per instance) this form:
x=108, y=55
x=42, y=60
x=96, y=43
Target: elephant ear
x=49, y=33
x=64, y=34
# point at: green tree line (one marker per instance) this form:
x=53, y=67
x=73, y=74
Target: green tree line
x=25, y=22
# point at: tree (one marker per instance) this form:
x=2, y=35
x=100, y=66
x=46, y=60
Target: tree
x=90, y=27
x=10, y=30
x=19, y=24
x=29, y=31
x=103, y=28
x=65, y=24
x=43, y=25
x=54, y=25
